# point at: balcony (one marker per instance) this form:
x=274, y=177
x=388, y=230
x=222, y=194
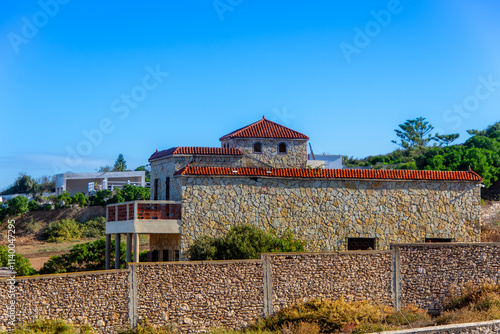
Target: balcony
x=143, y=217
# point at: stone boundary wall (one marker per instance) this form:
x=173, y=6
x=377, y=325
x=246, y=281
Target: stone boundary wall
x=486, y=327
x=430, y=272
x=198, y=295
x=357, y=275
x=99, y=299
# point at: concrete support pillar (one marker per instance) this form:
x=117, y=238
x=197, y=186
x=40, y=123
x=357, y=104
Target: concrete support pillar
x=108, y=251
x=117, y=250
x=129, y=247
x=136, y=247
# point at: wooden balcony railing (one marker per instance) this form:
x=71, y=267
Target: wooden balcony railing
x=143, y=210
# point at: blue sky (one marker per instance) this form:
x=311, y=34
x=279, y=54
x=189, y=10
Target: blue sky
x=82, y=81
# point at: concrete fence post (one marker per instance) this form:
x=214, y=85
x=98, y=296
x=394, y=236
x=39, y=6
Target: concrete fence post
x=268, y=285
x=132, y=295
x=396, y=277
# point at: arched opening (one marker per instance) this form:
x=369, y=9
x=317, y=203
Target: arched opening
x=257, y=148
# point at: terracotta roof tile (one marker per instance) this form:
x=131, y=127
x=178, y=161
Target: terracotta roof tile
x=334, y=173
x=196, y=151
x=265, y=128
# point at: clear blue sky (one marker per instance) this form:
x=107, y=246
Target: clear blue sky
x=345, y=73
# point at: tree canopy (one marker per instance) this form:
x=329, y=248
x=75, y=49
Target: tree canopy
x=120, y=164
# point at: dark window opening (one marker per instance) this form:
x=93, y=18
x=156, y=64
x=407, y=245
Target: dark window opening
x=360, y=243
x=176, y=255
x=155, y=194
x=438, y=240
x=167, y=188
x=257, y=148
x=165, y=255
x=282, y=148
x=154, y=256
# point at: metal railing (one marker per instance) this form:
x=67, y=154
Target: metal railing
x=143, y=210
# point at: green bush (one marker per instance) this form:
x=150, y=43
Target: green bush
x=18, y=205
x=22, y=264
x=34, y=206
x=85, y=257
x=79, y=199
x=94, y=228
x=63, y=230
x=243, y=242
x=101, y=197
x=47, y=207
x=63, y=200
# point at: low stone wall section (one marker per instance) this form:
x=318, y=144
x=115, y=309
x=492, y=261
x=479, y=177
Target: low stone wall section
x=430, y=272
x=99, y=299
x=359, y=275
x=196, y=296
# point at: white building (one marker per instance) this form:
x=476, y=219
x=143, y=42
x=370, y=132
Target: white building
x=83, y=182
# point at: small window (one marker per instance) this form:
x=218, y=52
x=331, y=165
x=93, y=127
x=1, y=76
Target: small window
x=360, y=243
x=167, y=189
x=437, y=240
x=257, y=148
x=282, y=148
x=155, y=197
x=165, y=255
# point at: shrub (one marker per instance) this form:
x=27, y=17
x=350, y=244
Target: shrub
x=34, y=206
x=243, y=242
x=79, y=199
x=22, y=264
x=63, y=200
x=101, y=197
x=85, y=257
x=326, y=316
x=145, y=328
x=94, y=228
x=63, y=230
x=18, y=205
x=47, y=207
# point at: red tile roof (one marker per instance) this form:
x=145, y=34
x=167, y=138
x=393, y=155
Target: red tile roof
x=334, y=173
x=196, y=151
x=265, y=128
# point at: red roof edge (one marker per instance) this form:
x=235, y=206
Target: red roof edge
x=334, y=173
x=195, y=151
x=265, y=128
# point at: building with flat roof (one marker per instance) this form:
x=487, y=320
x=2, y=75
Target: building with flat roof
x=79, y=182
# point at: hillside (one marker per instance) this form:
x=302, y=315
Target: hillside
x=481, y=153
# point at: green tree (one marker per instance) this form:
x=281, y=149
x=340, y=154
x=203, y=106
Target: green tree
x=414, y=133
x=243, y=242
x=148, y=172
x=64, y=199
x=22, y=265
x=79, y=199
x=101, y=197
x=120, y=164
x=24, y=184
x=133, y=193
x=446, y=139
x=104, y=169
x=18, y=205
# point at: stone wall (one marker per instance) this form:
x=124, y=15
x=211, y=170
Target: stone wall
x=200, y=295
x=295, y=156
x=327, y=212
x=195, y=296
x=99, y=299
x=429, y=273
x=352, y=275
x=167, y=166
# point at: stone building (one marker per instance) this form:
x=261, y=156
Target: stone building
x=259, y=176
